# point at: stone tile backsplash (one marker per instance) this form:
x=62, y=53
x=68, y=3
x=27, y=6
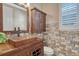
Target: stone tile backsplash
x=63, y=42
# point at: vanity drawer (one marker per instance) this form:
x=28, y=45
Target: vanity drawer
x=20, y=41
x=24, y=52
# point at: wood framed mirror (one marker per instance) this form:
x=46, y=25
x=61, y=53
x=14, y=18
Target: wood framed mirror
x=13, y=16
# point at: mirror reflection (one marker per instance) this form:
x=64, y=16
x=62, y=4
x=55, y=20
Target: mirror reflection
x=14, y=17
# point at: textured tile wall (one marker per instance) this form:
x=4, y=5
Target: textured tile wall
x=63, y=42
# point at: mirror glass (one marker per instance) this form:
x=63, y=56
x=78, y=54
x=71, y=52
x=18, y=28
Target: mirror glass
x=13, y=17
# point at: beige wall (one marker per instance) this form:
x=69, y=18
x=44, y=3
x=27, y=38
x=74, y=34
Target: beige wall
x=37, y=5
x=52, y=9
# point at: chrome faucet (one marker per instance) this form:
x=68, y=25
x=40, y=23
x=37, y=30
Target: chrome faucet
x=19, y=31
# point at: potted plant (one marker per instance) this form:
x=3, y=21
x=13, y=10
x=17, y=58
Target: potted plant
x=3, y=37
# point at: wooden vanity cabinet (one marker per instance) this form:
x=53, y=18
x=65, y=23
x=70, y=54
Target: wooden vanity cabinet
x=32, y=48
x=38, y=21
x=35, y=49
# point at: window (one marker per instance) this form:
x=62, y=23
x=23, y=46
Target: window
x=69, y=16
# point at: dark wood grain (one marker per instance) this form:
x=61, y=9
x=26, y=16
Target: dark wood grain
x=38, y=21
x=1, y=17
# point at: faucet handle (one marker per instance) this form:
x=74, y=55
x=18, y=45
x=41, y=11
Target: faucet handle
x=18, y=28
x=14, y=28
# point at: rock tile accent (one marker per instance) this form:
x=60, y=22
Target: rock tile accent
x=64, y=43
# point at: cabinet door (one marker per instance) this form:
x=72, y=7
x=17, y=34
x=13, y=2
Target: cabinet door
x=38, y=21
x=35, y=26
x=43, y=22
